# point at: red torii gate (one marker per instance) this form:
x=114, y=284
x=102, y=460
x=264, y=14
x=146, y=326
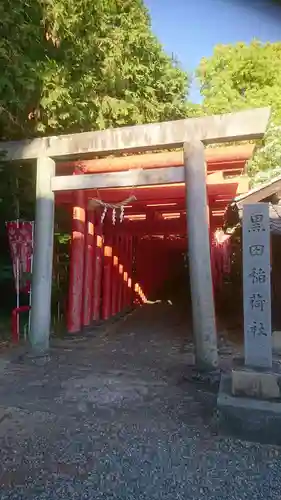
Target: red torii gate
x=151, y=214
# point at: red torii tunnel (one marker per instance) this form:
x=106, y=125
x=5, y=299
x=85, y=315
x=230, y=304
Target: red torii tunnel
x=114, y=266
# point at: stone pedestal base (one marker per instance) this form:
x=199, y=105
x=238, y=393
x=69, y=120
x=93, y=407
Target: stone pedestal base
x=260, y=384
x=276, y=342
x=250, y=418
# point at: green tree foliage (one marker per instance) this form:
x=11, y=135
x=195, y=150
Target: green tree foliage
x=22, y=49
x=247, y=76
x=76, y=65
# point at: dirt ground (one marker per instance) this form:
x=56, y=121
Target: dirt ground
x=116, y=416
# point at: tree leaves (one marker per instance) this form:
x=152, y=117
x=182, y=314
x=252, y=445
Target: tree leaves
x=75, y=65
x=244, y=76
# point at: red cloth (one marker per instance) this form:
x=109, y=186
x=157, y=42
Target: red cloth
x=20, y=236
x=220, y=257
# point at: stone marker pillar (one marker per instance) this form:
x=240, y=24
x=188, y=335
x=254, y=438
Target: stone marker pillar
x=249, y=398
x=256, y=286
x=256, y=378
x=43, y=258
x=203, y=311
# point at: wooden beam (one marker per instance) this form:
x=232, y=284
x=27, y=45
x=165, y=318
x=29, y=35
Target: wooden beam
x=144, y=194
x=244, y=125
x=170, y=227
x=143, y=227
x=156, y=205
x=230, y=157
x=137, y=208
x=153, y=212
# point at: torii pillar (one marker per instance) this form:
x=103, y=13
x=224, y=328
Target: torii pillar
x=203, y=311
x=43, y=257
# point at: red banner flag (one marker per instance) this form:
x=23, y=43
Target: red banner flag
x=20, y=236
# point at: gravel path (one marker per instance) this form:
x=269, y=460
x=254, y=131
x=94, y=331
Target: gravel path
x=115, y=417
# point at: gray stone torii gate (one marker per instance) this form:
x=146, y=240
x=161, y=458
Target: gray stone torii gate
x=193, y=133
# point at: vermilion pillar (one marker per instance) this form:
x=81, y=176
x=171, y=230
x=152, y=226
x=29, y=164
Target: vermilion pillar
x=115, y=277
x=126, y=271
x=139, y=269
x=136, y=274
x=97, y=271
x=130, y=271
x=134, y=278
x=76, y=271
x=144, y=261
x=88, y=270
x=107, y=275
x=120, y=273
x=210, y=220
x=150, y=267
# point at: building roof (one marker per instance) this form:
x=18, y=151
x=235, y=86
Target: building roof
x=260, y=193
x=266, y=192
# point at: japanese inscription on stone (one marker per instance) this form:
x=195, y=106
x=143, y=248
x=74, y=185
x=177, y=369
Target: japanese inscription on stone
x=256, y=285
